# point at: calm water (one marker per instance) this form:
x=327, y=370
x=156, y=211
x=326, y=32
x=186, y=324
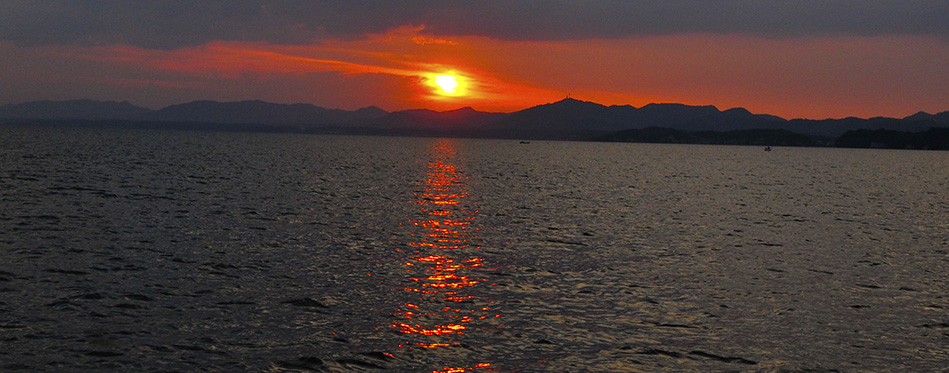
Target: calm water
x=185, y=251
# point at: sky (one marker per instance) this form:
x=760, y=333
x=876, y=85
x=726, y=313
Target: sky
x=795, y=59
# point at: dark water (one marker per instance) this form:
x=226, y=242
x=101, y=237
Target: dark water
x=190, y=251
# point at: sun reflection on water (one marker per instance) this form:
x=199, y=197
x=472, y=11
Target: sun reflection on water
x=442, y=270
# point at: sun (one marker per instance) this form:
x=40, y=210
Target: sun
x=448, y=83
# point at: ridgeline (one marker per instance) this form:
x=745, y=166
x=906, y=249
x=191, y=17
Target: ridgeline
x=568, y=119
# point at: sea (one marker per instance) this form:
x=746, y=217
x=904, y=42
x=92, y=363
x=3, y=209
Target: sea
x=153, y=250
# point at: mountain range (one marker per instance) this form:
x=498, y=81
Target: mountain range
x=565, y=119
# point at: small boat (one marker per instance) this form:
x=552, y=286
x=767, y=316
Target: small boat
x=767, y=148
x=525, y=142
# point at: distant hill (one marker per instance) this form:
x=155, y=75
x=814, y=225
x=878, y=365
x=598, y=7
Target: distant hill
x=593, y=119
x=942, y=118
x=74, y=109
x=260, y=112
x=571, y=114
x=765, y=137
x=931, y=139
x=837, y=127
x=242, y=112
x=461, y=119
x=567, y=114
x=565, y=119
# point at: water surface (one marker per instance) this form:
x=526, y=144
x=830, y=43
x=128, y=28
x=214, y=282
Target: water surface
x=164, y=250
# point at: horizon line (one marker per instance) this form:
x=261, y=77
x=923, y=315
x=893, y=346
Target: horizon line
x=568, y=97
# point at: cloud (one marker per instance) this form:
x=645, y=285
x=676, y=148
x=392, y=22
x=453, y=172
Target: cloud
x=169, y=24
x=397, y=69
x=342, y=63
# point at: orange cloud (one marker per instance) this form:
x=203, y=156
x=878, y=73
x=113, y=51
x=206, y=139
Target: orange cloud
x=401, y=53
x=815, y=77
x=796, y=77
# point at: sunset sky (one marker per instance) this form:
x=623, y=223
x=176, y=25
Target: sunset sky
x=795, y=59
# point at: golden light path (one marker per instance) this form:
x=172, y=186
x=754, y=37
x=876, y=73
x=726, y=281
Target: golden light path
x=443, y=265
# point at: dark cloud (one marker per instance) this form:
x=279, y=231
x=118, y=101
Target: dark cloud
x=175, y=23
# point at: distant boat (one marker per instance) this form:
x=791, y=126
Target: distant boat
x=525, y=142
x=767, y=148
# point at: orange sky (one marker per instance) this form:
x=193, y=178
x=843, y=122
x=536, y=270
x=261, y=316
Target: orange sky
x=793, y=77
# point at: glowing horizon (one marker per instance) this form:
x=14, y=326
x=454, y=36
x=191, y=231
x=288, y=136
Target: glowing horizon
x=804, y=77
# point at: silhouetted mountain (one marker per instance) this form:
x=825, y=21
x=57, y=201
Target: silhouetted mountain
x=836, y=127
x=677, y=115
x=931, y=139
x=73, y=109
x=567, y=114
x=260, y=112
x=452, y=120
x=579, y=117
x=765, y=137
x=941, y=118
x=244, y=112
x=562, y=120
x=595, y=119
x=920, y=115
x=369, y=112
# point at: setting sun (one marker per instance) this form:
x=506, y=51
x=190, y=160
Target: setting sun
x=448, y=83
